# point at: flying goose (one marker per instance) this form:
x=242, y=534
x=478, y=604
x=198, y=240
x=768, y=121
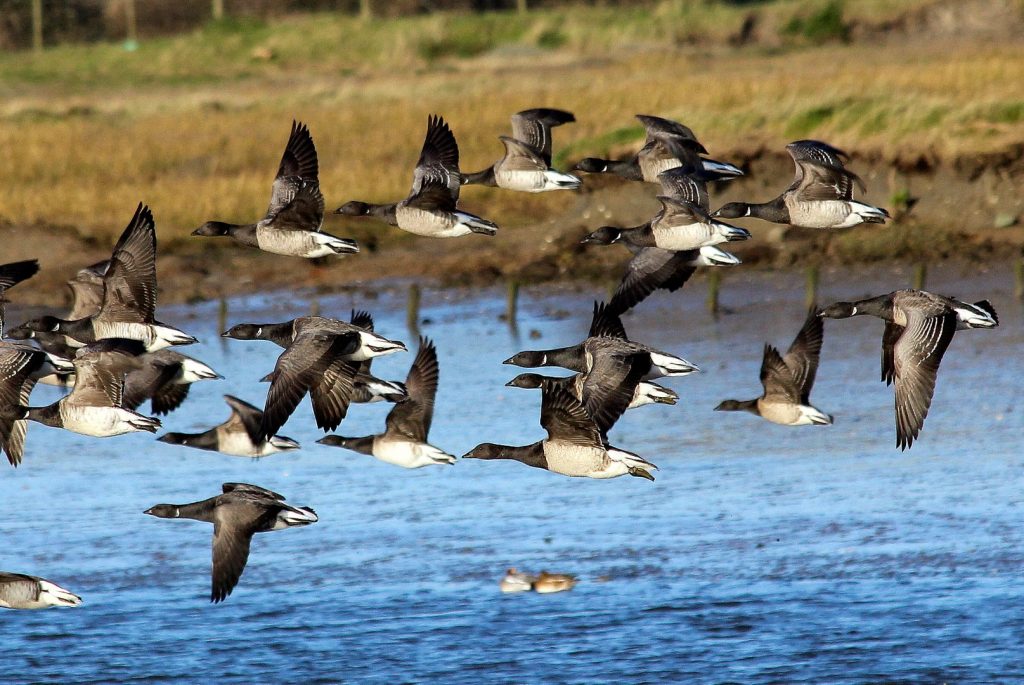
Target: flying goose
x=668, y=145
x=236, y=515
x=431, y=207
x=679, y=226
x=10, y=275
x=607, y=336
x=919, y=327
x=365, y=386
x=19, y=591
x=788, y=380
x=129, y=296
x=239, y=436
x=404, y=441
x=646, y=392
x=293, y=222
x=322, y=359
x=654, y=268
x=164, y=378
x=574, y=445
x=526, y=165
x=821, y=195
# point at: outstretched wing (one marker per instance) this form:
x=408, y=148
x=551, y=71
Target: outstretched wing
x=606, y=323
x=130, y=281
x=565, y=419
x=298, y=163
x=438, y=164
x=533, y=127
x=917, y=355
x=412, y=417
x=804, y=354
x=777, y=379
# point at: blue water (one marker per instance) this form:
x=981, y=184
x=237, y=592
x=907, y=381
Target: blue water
x=761, y=554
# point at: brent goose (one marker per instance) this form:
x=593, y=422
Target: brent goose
x=404, y=441
x=526, y=165
x=919, y=327
x=19, y=591
x=164, y=378
x=129, y=296
x=293, y=222
x=654, y=268
x=239, y=436
x=546, y=583
x=365, y=386
x=821, y=195
x=668, y=145
x=607, y=336
x=574, y=445
x=516, y=581
x=236, y=515
x=788, y=380
x=431, y=207
x=646, y=392
x=322, y=359
x=679, y=226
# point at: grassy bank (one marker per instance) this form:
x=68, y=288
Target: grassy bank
x=194, y=124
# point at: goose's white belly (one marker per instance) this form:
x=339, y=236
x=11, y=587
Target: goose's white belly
x=99, y=422
x=581, y=461
x=409, y=454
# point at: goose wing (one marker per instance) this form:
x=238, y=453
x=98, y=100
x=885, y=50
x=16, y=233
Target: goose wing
x=231, y=537
x=15, y=272
x=565, y=418
x=819, y=182
x=304, y=212
x=609, y=386
x=817, y=152
x=332, y=395
x=129, y=285
x=804, y=354
x=659, y=128
x=606, y=323
x=412, y=417
x=916, y=355
x=439, y=160
x=778, y=382
x=298, y=163
x=679, y=213
x=890, y=335
x=246, y=417
x=303, y=366
x=16, y=363
x=521, y=157
x=432, y=197
x=249, y=488
x=652, y=268
x=679, y=184
x=533, y=127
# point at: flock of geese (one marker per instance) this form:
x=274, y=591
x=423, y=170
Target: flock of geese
x=116, y=354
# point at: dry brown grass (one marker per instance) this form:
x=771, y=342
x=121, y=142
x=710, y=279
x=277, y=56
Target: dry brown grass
x=83, y=157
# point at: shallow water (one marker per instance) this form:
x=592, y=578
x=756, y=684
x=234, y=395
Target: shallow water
x=761, y=554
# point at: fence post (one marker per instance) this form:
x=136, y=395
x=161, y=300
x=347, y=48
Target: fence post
x=412, y=309
x=37, y=25
x=521, y=6
x=366, y=9
x=714, y=286
x=131, y=41
x=217, y=9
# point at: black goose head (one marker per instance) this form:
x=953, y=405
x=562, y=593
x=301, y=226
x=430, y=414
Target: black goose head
x=164, y=511
x=353, y=208
x=213, y=229
x=528, y=359
x=737, y=405
x=591, y=165
x=529, y=381
x=840, y=310
x=244, y=331
x=485, y=450
x=44, y=324
x=175, y=439
x=606, y=235
x=732, y=210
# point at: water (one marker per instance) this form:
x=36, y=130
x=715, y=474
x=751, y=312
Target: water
x=761, y=554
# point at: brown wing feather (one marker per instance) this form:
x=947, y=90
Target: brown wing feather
x=606, y=323
x=130, y=282
x=533, y=127
x=565, y=419
x=776, y=378
x=412, y=417
x=917, y=355
x=804, y=354
x=230, y=554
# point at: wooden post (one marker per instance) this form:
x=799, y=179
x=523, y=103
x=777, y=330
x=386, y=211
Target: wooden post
x=412, y=310
x=366, y=9
x=813, y=275
x=217, y=9
x=521, y=6
x=132, y=34
x=512, y=302
x=314, y=308
x=714, y=286
x=222, y=315
x=1018, y=288
x=37, y=25
x=920, y=276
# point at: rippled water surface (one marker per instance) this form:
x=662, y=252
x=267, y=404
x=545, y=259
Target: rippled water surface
x=761, y=554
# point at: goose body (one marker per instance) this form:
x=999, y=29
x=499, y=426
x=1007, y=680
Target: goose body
x=20, y=591
x=238, y=436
